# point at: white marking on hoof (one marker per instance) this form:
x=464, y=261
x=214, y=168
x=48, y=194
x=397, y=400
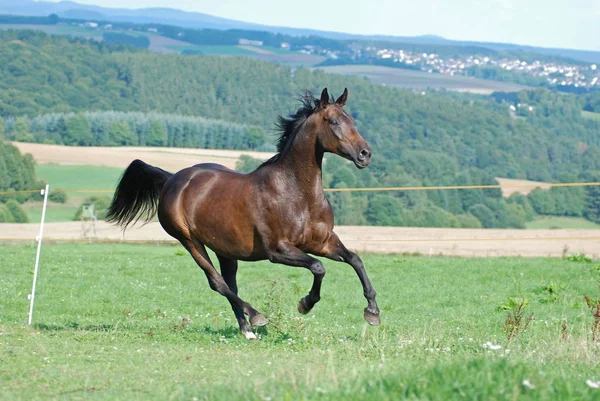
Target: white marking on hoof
x=249, y=335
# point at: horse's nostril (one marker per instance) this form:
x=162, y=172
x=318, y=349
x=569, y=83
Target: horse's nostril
x=364, y=154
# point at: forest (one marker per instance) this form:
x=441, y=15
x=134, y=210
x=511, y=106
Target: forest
x=77, y=92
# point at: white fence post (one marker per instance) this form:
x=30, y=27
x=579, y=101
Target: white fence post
x=39, y=248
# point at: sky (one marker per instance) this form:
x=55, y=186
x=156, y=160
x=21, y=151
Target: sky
x=573, y=24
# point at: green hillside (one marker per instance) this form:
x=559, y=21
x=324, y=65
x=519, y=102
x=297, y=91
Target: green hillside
x=433, y=139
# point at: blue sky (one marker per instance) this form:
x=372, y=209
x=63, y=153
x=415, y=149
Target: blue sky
x=548, y=23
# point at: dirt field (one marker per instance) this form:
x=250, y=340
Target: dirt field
x=172, y=159
x=523, y=187
x=393, y=240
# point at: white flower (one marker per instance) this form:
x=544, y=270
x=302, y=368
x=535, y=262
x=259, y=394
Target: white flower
x=491, y=346
x=592, y=384
x=528, y=384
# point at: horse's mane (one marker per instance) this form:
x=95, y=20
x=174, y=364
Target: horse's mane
x=288, y=126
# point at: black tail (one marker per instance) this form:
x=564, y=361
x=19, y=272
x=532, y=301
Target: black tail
x=137, y=194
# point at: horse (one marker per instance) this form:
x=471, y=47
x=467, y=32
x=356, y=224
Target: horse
x=278, y=212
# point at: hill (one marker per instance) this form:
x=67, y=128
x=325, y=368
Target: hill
x=436, y=139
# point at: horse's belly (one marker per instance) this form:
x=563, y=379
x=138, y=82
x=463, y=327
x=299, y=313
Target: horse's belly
x=230, y=239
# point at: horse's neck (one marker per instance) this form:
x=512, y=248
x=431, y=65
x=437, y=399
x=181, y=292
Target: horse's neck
x=302, y=160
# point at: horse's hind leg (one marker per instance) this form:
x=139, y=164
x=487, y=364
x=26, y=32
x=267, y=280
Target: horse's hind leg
x=229, y=271
x=218, y=284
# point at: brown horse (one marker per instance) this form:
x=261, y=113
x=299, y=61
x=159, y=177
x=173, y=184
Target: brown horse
x=278, y=212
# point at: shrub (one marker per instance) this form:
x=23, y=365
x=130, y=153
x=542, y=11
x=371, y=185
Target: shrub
x=468, y=221
x=58, y=196
x=17, y=212
x=5, y=215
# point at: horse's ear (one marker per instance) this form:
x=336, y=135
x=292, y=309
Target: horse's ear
x=342, y=99
x=324, y=98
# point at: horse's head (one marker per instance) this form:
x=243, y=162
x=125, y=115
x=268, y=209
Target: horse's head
x=336, y=131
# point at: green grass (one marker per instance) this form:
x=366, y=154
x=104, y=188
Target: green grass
x=552, y=222
x=108, y=325
x=78, y=178
x=55, y=212
x=590, y=115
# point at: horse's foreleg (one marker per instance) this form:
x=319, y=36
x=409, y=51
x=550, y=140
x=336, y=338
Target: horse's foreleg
x=335, y=250
x=229, y=269
x=218, y=284
x=288, y=254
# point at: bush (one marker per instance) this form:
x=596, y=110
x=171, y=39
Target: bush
x=247, y=164
x=484, y=215
x=5, y=215
x=468, y=221
x=58, y=196
x=18, y=214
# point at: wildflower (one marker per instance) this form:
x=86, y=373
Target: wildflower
x=592, y=384
x=492, y=347
x=526, y=383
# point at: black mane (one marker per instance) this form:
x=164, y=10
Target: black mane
x=288, y=127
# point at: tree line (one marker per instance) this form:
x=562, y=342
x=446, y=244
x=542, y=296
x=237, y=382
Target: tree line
x=113, y=128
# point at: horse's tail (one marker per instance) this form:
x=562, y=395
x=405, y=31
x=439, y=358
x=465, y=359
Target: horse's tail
x=137, y=194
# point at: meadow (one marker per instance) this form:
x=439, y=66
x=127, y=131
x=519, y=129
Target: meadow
x=590, y=115
x=127, y=322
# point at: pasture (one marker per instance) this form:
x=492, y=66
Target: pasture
x=590, y=115
x=127, y=322
x=422, y=80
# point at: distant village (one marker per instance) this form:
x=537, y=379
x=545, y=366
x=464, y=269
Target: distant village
x=560, y=74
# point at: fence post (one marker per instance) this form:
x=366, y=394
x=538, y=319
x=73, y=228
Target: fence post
x=37, y=257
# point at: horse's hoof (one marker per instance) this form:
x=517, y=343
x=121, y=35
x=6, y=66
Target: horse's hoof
x=302, y=307
x=372, y=318
x=249, y=335
x=258, y=320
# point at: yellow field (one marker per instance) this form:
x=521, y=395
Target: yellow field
x=172, y=159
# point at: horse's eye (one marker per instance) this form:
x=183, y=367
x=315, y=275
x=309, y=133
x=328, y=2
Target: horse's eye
x=334, y=122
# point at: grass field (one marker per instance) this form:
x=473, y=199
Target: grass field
x=590, y=115
x=129, y=322
x=78, y=178
x=552, y=222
